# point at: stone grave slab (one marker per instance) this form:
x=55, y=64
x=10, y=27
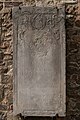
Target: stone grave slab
x=39, y=61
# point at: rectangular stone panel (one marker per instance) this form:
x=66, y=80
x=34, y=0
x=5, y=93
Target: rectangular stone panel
x=39, y=60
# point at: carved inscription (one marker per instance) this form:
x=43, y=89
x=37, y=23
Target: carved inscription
x=37, y=22
x=40, y=21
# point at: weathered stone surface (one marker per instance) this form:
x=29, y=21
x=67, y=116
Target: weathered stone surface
x=6, y=74
x=73, y=64
x=1, y=92
x=73, y=56
x=39, y=61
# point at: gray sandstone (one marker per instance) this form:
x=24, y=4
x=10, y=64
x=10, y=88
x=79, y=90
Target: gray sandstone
x=39, y=61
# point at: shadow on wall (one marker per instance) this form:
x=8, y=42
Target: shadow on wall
x=73, y=62
x=41, y=118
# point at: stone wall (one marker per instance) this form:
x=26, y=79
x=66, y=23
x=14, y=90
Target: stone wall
x=6, y=55
x=73, y=63
x=72, y=57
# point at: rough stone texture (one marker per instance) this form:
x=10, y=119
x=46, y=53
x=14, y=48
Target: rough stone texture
x=73, y=63
x=6, y=64
x=39, y=61
x=73, y=55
